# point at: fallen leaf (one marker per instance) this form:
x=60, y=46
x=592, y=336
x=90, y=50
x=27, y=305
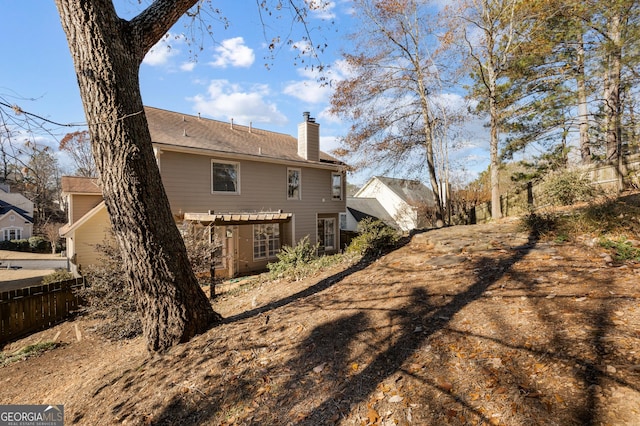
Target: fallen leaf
x=372, y=416
x=319, y=368
x=396, y=398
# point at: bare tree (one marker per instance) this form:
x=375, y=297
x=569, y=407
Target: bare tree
x=78, y=146
x=391, y=97
x=51, y=231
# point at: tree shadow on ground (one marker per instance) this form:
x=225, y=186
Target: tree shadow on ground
x=424, y=312
x=321, y=285
x=322, y=380
x=323, y=359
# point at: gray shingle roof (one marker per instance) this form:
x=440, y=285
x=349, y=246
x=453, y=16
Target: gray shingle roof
x=183, y=130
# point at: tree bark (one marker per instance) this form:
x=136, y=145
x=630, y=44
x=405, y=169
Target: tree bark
x=612, y=98
x=107, y=52
x=583, y=110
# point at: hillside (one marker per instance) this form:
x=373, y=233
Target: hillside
x=467, y=325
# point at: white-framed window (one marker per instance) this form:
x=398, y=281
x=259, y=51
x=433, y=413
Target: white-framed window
x=9, y=234
x=343, y=221
x=12, y=218
x=266, y=240
x=327, y=233
x=336, y=186
x=294, y=184
x=225, y=177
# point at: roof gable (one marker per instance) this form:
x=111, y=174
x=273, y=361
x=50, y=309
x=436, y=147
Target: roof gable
x=7, y=210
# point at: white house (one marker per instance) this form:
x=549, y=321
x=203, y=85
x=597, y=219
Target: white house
x=394, y=201
x=16, y=215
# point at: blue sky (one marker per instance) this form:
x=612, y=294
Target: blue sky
x=228, y=80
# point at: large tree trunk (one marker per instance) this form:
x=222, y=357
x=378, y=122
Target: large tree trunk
x=583, y=110
x=494, y=166
x=107, y=53
x=613, y=107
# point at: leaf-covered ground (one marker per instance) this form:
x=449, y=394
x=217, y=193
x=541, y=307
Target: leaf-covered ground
x=470, y=325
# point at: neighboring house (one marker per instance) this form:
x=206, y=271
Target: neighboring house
x=16, y=215
x=260, y=190
x=397, y=202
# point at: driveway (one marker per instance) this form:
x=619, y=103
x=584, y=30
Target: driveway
x=21, y=270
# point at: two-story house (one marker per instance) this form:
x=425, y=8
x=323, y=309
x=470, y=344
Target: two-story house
x=16, y=215
x=259, y=190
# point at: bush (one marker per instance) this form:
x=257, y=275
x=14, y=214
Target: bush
x=15, y=245
x=110, y=297
x=539, y=224
x=292, y=260
x=374, y=239
x=201, y=250
x=566, y=188
x=38, y=244
x=57, y=276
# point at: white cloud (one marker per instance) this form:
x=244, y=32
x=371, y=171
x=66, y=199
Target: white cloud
x=322, y=9
x=307, y=90
x=188, y=66
x=233, y=52
x=310, y=88
x=163, y=50
x=225, y=100
x=329, y=143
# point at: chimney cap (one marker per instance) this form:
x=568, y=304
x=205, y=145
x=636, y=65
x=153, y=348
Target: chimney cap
x=307, y=117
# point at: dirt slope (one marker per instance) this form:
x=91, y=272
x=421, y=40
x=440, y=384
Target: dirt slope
x=462, y=326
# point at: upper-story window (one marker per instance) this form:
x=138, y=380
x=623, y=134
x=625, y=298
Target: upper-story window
x=336, y=186
x=294, y=184
x=225, y=177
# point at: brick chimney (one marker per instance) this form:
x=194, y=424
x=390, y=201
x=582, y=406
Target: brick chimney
x=309, y=138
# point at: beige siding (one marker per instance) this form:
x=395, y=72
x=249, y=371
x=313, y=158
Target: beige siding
x=263, y=187
x=95, y=231
x=18, y=222
x=81, y=204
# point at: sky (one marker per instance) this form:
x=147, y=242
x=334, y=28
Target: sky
x=232, y=77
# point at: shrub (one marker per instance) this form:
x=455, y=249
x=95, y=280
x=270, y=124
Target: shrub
x=201, y=250
x=57, y=276
x=374, y=239
x=292, y=260
x=15, y=245
x=38, y=244
x=566, y=188
x=539, y=224
x=109, y=296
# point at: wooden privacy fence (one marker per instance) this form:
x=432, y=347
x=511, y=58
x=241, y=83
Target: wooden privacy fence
x=36, y=308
